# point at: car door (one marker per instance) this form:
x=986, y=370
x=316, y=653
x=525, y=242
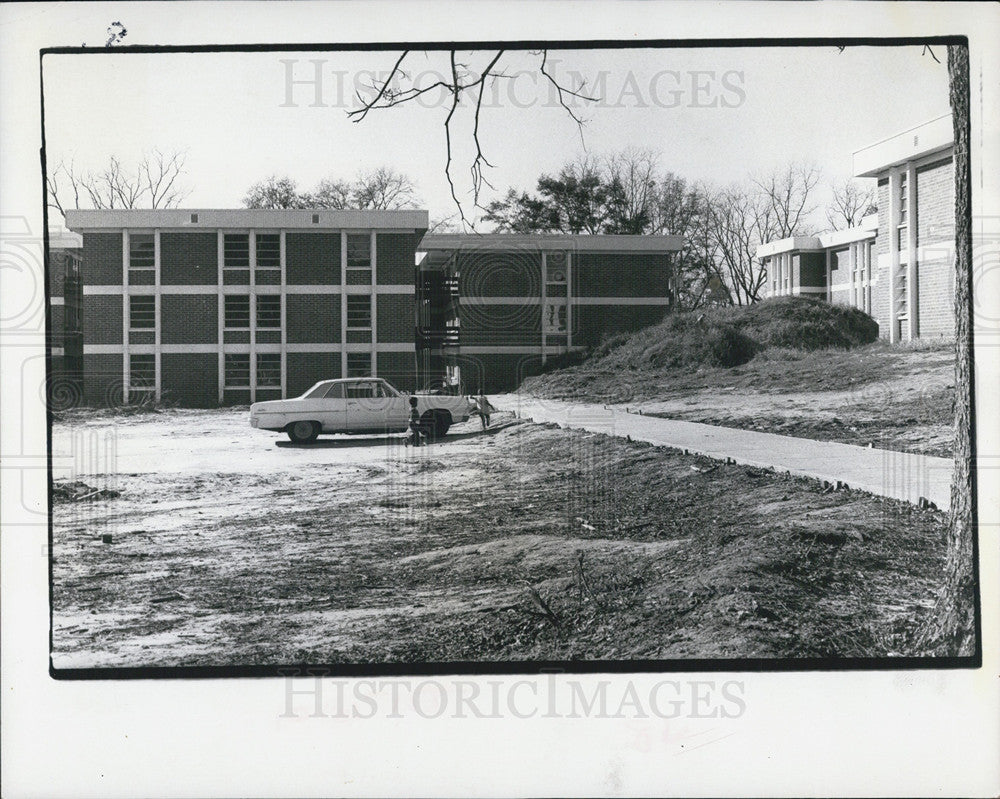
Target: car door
x=365, y=409
x=397, y=408
x=329, y=407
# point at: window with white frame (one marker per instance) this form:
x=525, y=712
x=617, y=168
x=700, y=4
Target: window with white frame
x=359, y=312
x=359, y=364
x=268, y=251
x=141, y=258
x=359, y=251
x=237, y=371
x=268, y=370
x=269, y=311
x=902, y=228
x=237, y=312
x=142, y=373
x=236, y=251
x=141, y=312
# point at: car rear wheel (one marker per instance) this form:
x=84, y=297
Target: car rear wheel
x=302, y=432
x=436, y=424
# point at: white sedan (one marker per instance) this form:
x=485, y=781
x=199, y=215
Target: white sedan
x=357, y=405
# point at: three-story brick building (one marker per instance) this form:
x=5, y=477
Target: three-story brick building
x=213, y=307
x=898, y=264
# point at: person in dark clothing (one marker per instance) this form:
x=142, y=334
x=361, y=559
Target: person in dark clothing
x=415, y=427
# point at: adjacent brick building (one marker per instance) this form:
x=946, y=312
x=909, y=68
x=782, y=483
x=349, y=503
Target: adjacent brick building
x=214, y=307
x=897, y=265
x=495, y=308
x=65, y=380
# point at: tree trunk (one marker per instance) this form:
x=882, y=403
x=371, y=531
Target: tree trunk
x=953, y=628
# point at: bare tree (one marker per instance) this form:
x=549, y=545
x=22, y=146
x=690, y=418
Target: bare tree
x=739, y=220
x=331, y=193
x=852, y=202
x=397, y=88
x=383, y=188
x=274, y=192
x=153, y=183
x=632, y=176
x=787, y=201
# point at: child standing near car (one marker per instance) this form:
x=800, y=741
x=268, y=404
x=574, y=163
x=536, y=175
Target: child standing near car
x=485, y=409
x=414, y=423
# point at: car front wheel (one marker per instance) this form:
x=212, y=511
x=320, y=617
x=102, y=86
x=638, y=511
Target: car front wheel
x=302, y=432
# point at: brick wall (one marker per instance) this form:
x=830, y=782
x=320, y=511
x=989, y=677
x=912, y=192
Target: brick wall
x=810, y=269
x=103, y=379
x=189, y=319
x=305, y=369
x=621, y=275
x=500, y=274
x=399, y=368
x=102, y=259
x=594, y=323
x=501, y=325
x=102, y=319
x=395, y=256
x=312, y=258
x=936, y=303
x=189, y=259
x=935, y=203
x=312, y=318
x=395, y=322
x=191, y=379
x=57, y=325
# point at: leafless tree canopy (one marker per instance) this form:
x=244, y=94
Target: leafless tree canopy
x=462, y=82
x=741, y=218
x=852, y=202
x=380, y=189
x=153, y=183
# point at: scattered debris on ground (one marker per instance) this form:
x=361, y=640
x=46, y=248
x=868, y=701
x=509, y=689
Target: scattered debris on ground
x=78, y=491
x=531, y=543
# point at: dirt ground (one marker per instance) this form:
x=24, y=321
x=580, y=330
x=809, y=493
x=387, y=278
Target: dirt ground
x=897, y=397
x=230, y=546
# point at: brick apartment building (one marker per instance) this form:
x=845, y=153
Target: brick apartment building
x=897, y=265
x=65, y=384
x=496, y=308
x=223, y=307
x=213, y=307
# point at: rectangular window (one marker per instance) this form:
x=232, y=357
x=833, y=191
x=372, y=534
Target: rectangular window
x=237, y=312
x=237, y=371
x=359, y=312
x=555, y=267
x=141, y=251
x=268, y=251
x=359, y=364
x=269, y=311
x=236, y=251
x=141, y=312
x=142, y=373
x=359, y=251
x=268, y=370
x=902, y=239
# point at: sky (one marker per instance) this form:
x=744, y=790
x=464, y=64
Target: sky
x=716, y=115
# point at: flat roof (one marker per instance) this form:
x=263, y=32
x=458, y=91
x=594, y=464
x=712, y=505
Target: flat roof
x=937, y=135
x=245, y=218
x=500, y=242
x=823, y=241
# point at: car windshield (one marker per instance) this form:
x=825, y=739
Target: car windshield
x=318, y=390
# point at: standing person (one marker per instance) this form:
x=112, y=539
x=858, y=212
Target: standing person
x=485, y=409
x=414, y=423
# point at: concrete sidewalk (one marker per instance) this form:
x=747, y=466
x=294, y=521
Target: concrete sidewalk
x=898, y=475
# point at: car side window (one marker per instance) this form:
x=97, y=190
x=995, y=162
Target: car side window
x=317, y=392
x=336, y=391
x=359, y=390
